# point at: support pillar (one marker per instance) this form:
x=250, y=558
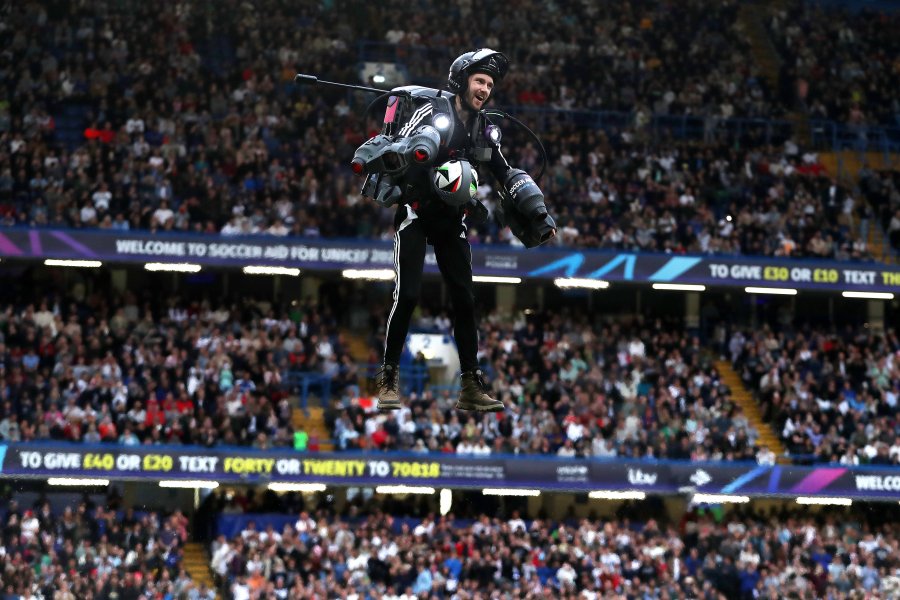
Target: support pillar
x=692, y=310
x=119, y=279
x=875, y=316
x=505, y=296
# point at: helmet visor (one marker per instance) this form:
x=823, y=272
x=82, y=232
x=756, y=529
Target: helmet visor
x=489, y=61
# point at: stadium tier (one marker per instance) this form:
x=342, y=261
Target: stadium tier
x=696, y=380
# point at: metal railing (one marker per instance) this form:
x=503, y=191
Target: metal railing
x=302, y=382
x=826, y=134
x=414, y=379
x=680, y=127
x=863, y=138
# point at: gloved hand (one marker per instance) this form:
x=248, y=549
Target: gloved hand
x=526, y=195
x=522, y=209
x=387, y=193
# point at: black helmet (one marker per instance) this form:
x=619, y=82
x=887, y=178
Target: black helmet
x=483, y=60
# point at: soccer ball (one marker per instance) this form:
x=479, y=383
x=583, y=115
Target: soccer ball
x=455, y=182
x=448, y=176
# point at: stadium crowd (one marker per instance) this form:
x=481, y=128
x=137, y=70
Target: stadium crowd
x=132, y=370
x=839, y=64
x=882, y=191
x=643, y=57
x=833, y=395
x=144, y=370
x=127, y=115
x=137, y=370
x=744, y=554
x=572, y=388
x=88, y=550
x=223, y=142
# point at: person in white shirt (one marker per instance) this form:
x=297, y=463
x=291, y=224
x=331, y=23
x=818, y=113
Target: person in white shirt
x=278, y=228
x=232, y=227
x=304, y=523
x=221, y=557
x=575, y=430
x=240, y=590
x=481, y=449
x=324, y=348
x=566, y=575
x=636, y=348
x=102, y=197
x=567, y=450
x=163, y=214
x=765, y=456
x=88, y=213
x=134, y=125
x=600, y=447
x=516, y=522
x=894, y=451
x=30, y=526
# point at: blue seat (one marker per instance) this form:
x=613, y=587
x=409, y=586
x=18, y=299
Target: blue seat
x=546, y=574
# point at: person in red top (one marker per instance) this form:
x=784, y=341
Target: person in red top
x=379, y=436
x=184, y=405
x=105, y=135
x=107, y=429
x=155, y=415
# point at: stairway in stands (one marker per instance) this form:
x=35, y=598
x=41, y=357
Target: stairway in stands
x=356, y=346
x=313, y=423
x=752, y=18
x=845, y=166
x=196, y=563
x=743, y=398
x=71, y=119
x=879, y=245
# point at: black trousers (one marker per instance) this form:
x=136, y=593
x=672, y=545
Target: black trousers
x=454, y=259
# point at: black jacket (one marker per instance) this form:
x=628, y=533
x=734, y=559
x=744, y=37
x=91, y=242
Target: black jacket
x=416, y=182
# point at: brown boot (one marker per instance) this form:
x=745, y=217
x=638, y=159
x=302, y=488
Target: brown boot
x=388, y=387
x=473, y=394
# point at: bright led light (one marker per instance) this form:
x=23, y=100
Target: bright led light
x=251, y=270
x=446, y=502
x=189, y=484
x=719, y=499
x=404, y=489
x=441, y=122
x=296, y=487
x=509, y=492
x=614, y=495
x=679, y=287
x=575, y=282
x=370, y=274
x=869, y=295
x=495, y=279
x=824, y=501
x=76, y=481
x=173, y=267
x=82, y=264
x=775, y=291
x=493, y=133
x=378, y=78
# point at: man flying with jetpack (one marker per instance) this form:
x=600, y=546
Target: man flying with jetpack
x=426, y=162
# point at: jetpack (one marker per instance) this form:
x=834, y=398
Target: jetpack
x=384, y=158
